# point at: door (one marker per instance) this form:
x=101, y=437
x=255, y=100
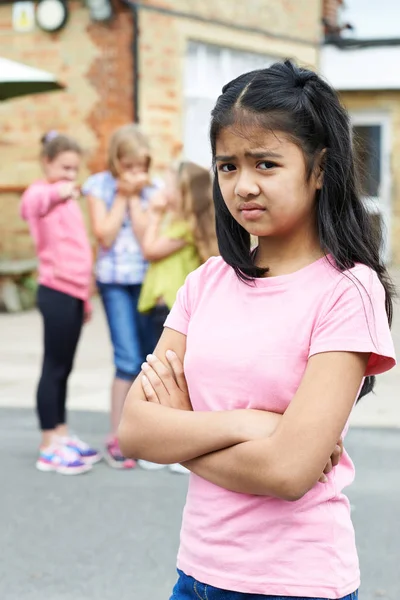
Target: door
x=372, y=145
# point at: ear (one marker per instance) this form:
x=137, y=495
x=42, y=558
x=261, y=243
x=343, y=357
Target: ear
x=319, y=169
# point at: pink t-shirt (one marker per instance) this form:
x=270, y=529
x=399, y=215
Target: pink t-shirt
x=247, y=347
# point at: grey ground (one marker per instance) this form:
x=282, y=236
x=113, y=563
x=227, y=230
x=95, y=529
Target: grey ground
x=109, y=535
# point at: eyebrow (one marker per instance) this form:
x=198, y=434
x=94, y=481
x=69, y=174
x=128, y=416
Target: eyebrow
x=258, y=155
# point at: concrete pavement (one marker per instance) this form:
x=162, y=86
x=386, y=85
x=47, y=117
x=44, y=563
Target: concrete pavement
x=113, y=536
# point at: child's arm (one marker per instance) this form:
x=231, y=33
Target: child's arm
x=290, y=461
x=139, y=217
x=106, y=224
x=167, y=435
x=156, y=246
x=39, y=199
x=167, y=386
x=147, y=227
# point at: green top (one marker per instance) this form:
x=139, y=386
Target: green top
x=165, y=276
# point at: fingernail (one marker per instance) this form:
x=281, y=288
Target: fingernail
x=324, y=479
x=170, y=354
x=145, y=366
x=150, y=357
x=144, y=379
x=338, y=449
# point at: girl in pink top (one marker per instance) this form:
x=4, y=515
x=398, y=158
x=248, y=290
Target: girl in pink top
x=65, y=266
x=277, y=344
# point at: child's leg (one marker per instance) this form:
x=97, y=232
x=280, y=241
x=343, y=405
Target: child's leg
x=149, y=332
x=61, y=333
x=119, y=390
x=117, y=301
x=158, y=316
x=75, y=319
x=117, y=304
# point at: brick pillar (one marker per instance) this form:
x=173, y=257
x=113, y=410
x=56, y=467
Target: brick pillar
x=330, y=13
x=111, y=74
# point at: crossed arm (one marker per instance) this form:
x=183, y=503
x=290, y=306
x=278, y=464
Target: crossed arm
x=247, y=451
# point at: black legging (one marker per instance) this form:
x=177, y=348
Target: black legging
x=62, y=319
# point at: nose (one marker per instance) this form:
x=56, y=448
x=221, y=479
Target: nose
x=246, y=185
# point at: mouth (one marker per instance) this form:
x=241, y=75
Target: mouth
x=251, y=211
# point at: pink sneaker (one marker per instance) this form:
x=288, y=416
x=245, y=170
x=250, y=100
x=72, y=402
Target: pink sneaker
x=61, y=460
x=115, y=458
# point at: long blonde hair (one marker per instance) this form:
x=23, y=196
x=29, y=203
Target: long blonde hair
x=195, y=186
x=128, y=140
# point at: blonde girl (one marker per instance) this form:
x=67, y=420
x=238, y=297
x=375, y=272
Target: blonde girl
x=120, y=266
x=180, y=236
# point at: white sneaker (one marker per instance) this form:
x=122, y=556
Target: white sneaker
x=150, y=466
x=177, y=468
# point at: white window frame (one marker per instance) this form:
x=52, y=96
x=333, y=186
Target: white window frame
x=381, y=204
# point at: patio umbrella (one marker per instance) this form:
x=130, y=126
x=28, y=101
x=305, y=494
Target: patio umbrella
x=17, y=79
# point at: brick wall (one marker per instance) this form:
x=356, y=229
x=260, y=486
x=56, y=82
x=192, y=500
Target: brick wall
x=164, y=38
x=111, y=75
x=330, y=11
x=95, y=62
x=294, y=18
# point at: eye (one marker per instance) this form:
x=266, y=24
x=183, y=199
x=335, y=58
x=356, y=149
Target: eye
x=227, y=168
x=266, y=165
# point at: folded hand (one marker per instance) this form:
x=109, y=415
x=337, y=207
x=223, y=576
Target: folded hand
x=165, y=385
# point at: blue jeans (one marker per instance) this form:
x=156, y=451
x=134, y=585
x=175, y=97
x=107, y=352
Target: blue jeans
x=131, y=333
x=188, y=588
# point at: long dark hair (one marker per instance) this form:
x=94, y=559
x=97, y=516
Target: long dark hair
x=299, y=103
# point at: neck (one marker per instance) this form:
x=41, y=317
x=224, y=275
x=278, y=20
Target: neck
x=289, y=254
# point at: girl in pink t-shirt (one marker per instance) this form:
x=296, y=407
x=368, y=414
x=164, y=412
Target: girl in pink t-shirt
x=65, y=269
x=277, y=344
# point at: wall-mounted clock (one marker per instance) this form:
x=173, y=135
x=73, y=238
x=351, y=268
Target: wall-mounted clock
x=52, y=15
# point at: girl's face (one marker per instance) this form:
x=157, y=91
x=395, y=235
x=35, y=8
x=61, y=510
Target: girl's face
x=134, y=164
x=64, y=167
x=262, y=177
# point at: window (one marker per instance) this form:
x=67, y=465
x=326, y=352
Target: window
x=207, y=69
x=367, y=144
x=371, y=136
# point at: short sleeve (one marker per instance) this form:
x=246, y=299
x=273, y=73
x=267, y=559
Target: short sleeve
x=182, y=308
x=354, y=319
x=94, y=186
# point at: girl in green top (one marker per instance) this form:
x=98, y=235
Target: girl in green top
x=179, y=237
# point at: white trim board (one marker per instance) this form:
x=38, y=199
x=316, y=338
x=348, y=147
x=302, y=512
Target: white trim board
x=361, y=68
